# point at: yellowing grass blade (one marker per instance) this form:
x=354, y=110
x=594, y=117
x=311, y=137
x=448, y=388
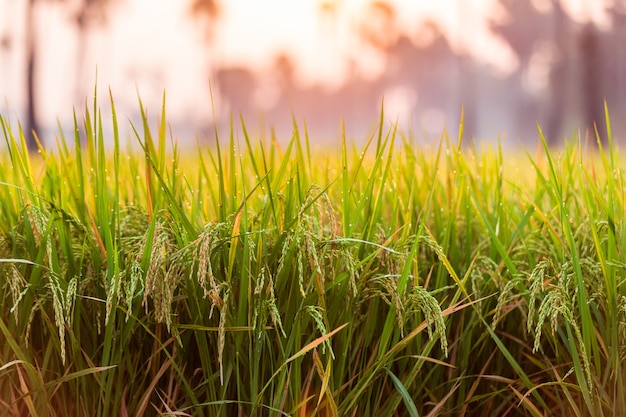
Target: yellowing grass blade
x=315, y=343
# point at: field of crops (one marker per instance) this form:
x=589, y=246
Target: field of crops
x=249, y=278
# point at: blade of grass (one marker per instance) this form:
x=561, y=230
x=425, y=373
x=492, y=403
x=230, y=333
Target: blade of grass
x=406, y=397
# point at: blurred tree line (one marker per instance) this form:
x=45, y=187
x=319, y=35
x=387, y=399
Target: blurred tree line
x=566, y=69
x=585, y=63
x=84, y=15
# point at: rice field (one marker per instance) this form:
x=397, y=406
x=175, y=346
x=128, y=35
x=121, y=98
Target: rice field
x=254, y=278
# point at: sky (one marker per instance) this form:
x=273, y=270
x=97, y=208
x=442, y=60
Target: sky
x=149, y=46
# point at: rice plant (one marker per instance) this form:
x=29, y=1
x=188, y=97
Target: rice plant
x=265, y=278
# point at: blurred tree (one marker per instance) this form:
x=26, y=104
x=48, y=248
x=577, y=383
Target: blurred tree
x=5, y=42
x=539, y=38
x=559, y=73
x=379, y=25
x=31, y=55
x=5, y=47
x=89, y=12
x=467, y=83
x=207, y=11
x=614, y=56
x=591, y=80
x=523, y=27
x=427, y=66
x=582, y=61
x=426, y=70
x=328, y=19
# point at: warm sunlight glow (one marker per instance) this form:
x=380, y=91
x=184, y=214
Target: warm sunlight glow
x=320, y=34
x=329, y=58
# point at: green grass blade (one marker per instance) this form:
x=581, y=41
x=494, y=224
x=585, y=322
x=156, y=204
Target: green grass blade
x=406, y=397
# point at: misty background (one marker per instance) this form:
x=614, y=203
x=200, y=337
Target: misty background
x=509, y=63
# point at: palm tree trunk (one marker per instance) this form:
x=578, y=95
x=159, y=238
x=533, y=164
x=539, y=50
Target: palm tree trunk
x=31, y=60
x=591, y=82
x=559, y=76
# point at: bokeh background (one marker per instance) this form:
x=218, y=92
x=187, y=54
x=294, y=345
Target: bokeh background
x=510, y=63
